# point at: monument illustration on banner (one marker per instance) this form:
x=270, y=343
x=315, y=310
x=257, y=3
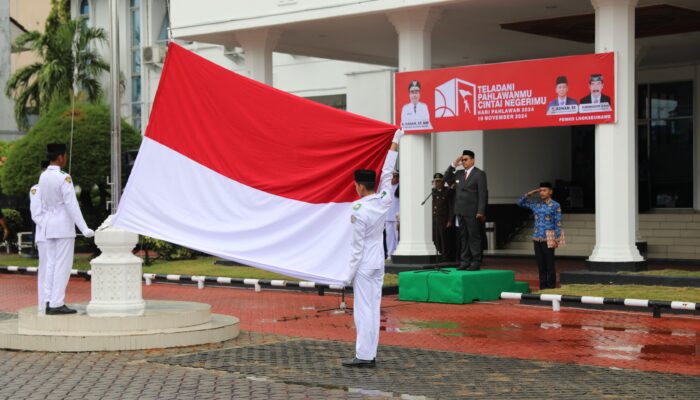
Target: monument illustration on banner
x=454, y=98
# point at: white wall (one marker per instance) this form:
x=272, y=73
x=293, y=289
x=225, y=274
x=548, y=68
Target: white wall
x=449, y=145
x=371, y=94
x=518, y=160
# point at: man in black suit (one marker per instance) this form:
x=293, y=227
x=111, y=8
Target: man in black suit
x=471, y=196
x=595, y=84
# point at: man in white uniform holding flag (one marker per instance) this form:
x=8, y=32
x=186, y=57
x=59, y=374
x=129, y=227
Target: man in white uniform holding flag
x=36, y=210
x=367, y=255
x=61, y=216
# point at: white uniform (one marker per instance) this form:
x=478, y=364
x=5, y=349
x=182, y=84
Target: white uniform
x=367, y=261
x=415, y=117
x=37, y=216
x=391, y=225
x=61, y=214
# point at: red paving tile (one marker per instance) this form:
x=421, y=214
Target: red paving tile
x=603, y=338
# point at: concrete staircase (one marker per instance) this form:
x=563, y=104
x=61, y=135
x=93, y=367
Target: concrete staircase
x=668, y=236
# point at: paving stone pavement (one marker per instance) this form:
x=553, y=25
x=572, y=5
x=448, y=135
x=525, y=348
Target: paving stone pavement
x=436, y=374
x=260, y=366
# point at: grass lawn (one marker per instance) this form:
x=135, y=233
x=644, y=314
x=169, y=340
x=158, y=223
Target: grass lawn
x=666, y=272
x=689, y=294
x=201, y=266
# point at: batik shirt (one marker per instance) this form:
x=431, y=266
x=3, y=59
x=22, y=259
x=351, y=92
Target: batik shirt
x=547, y=217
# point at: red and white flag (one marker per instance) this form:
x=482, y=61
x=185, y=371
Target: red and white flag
x=240, y=170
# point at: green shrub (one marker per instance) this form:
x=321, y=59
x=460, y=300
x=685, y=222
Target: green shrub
x=168, y=251
x=14, y=222
x=91, y=155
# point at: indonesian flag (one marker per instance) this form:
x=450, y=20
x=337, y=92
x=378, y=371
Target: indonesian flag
x=240, y=170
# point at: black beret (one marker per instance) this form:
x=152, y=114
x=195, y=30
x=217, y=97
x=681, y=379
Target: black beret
x=44, y=164
x=546, y=185
x=413, y=85
x=562, y=79
x=596, y=77
x=56, y=148
x=468, y=153
x=365, y=176
x=437, y=176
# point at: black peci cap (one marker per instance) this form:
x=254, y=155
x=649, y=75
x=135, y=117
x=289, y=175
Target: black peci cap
x=365, y=176
x=58, y=148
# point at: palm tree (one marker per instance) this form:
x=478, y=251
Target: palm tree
x=36, y=86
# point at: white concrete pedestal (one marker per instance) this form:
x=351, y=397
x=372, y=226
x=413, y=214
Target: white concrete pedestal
x=117, y=317
x=161, y=324
x=116, y=274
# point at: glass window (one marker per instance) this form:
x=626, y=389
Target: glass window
x=85, y=8
x=136, y=89
x=135, y=15
x=135, y=27
x=164, y=26
x=669, y=100
x=665, y=145
x=136, y=62
x=136, y=116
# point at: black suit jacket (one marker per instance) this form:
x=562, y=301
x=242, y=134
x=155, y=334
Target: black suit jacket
x=471, y=196
x=588, y=100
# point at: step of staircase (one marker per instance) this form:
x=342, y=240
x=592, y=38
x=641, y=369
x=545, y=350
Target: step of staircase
x=668, y=236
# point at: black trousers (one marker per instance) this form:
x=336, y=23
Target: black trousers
x=470, y=243
x=545, y=264
x=440, y=237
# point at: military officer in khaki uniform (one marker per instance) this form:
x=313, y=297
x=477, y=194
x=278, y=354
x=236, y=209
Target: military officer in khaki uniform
x=61, y=216
x=367, y=255
x=442, y=199
x=36, y=211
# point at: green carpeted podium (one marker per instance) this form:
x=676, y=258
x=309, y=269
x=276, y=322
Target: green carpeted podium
x=448, y=285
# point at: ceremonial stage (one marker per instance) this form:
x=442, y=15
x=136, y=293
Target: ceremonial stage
x=449, y=285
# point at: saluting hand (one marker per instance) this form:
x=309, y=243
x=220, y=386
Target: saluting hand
x=457, y=162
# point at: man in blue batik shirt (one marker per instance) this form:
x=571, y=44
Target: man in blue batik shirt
x=547, y=234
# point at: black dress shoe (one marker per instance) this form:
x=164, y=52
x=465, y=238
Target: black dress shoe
x=461, y=268
x=62, y=310
x=356, y=362
x=473, y=268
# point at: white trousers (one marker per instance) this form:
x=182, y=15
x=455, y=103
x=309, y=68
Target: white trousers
x=41, y=277
x=367, y=294
x=59, y=262
x=392, y=236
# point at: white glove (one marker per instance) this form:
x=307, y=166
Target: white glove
x=397, y=136
x=89, y=233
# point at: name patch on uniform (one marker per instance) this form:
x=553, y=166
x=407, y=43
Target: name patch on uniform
x=353, y=219
x=69, y=180
x=356, y=206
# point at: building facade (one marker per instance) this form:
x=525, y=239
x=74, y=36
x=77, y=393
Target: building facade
x=344, y=53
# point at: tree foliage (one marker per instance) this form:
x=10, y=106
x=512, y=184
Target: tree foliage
x=35, y=87
x=90, y=163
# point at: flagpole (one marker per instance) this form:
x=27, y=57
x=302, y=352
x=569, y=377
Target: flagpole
x=116, y=114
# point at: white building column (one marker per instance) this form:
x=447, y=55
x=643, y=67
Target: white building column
x=615, y=167
x=414, y=27
x=258, y=45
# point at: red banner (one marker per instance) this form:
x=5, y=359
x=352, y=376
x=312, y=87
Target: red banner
x=575, y=90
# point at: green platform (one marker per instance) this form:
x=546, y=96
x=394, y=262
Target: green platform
x=449, y=285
